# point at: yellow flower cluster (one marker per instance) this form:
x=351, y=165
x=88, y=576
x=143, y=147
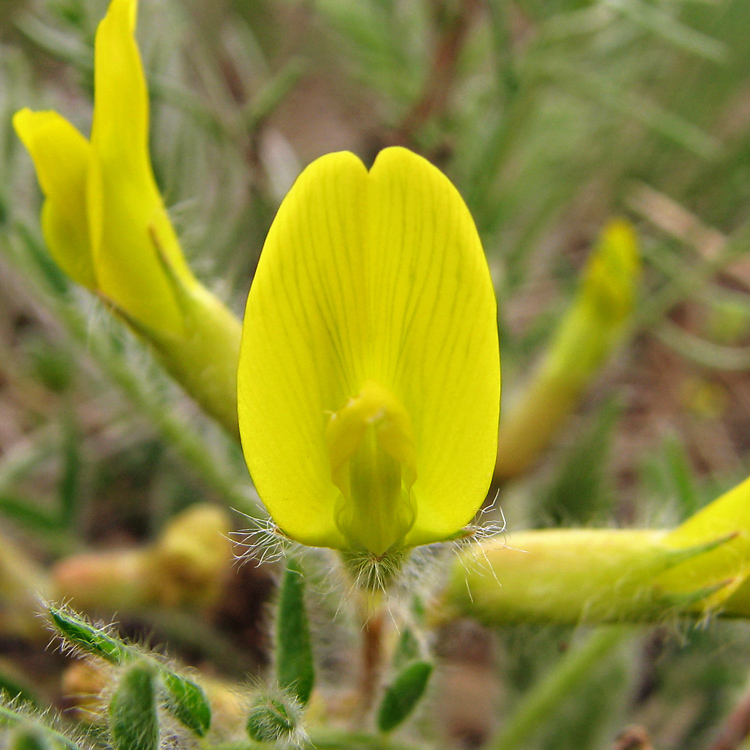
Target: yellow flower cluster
x=369, y=373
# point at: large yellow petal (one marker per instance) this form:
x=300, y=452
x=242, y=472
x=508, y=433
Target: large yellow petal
x=370, y=277
x=61, y=156
x=434, y=319
x=127, y=215
x=293, y=359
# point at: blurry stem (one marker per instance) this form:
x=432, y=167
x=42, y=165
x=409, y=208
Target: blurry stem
x=675, y=220
x=706, y=353
x=442, y=71
x=689, y=282
x=587, y=335
x=555, y=687
x=177, y=432
x=265, y=102
x=373, y=619
x=507, y=79
x=736, y=727
x=187, y=629
x=532, y=424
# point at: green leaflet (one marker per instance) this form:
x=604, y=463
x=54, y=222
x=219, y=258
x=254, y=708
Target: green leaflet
x=403, y=694
x=295, y=669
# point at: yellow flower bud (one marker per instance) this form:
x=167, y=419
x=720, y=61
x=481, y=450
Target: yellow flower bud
x=186, y=567
x=103, y=208
x=105, y=223
x=601, y=575
x=369, y=380
x=588, y=333
x=586, y=575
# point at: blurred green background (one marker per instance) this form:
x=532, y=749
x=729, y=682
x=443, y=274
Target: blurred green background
x=550, y=117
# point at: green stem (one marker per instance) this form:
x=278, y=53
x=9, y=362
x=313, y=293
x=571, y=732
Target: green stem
x=555, y=687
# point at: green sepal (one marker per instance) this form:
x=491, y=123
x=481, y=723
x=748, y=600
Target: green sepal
x=82, y=634
x=133, y=719
x=687, y=601
x=187, y=702
x=403, y=694
x=272, y=719
x=295, y=669
x=676, y=556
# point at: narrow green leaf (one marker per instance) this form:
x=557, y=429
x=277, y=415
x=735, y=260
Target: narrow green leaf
x=25, y=511
x=407, y=648
x=666, y=26
x=22, y=510
x=88, y=637
x=68, y=489
x=51, y=364
x=295, y=668
x=403, y=694
x=54, y=279
x=133, y=721
x=274, y=92
x=187, y=703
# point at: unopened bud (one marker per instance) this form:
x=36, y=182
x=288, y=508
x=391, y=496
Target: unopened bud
x=273, y=719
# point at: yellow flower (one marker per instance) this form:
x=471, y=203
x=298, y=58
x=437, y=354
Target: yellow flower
x=103, y=214
x=369, y=379
x=105, y=223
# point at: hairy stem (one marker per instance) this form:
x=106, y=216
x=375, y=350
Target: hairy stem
x=372, y=661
